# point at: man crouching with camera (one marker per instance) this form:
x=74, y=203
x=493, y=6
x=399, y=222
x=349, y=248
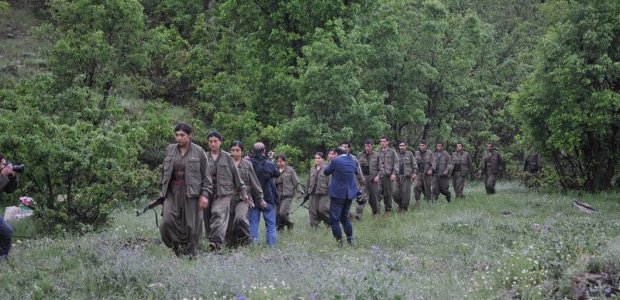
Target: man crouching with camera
x=8, y=184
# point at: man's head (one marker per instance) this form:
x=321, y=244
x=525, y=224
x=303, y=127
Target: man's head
x=459, y=146
x=346, y=146
x=439, y=147
x=258, y=148
x=402, y=147
x=385, y=142
x=422, y=145
x=339, y=151
x=215, y=140
x=490, y=147
x=368, y=146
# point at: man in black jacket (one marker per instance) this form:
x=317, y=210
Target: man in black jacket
x=265, y=171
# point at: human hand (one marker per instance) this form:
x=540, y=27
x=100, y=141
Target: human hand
x=393, y=177
x=263, y=204
x=203, y=202
x=8, y=171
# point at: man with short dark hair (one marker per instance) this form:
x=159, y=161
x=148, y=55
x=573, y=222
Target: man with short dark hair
x=461, y=160
x=424, y=159
x=491, y=168
x=389, y=164
x=407, y=172
x=441, y=173
x=8, y=183
x=371, y=168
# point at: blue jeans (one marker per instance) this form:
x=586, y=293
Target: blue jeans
x=6, y=234
x=339, y=213
x=269, y=215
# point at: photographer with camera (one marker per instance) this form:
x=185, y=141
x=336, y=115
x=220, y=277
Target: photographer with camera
x=8, y=184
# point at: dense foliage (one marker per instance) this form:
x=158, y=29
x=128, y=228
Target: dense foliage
x=115, y=75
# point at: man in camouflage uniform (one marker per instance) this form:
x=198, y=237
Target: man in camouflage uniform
x=407, y=172
x=491, y=167
x=422, y=184
x=389, y=162
x=441, y=173
x=371, y=168
x=461, y=160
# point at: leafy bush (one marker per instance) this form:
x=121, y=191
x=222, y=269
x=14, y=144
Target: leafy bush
x=77, y=170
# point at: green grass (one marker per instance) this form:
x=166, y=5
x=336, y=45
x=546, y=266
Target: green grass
x=482, y=247
x=20, y=54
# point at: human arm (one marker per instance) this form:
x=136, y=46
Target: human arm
x=206, y=184
x=238, y=183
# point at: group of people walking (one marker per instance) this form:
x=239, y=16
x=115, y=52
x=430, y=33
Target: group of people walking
x=219, y=189
x=391, y=174
x=226, y=192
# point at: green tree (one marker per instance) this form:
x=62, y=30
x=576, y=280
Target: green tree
x=77, y=171
x=99, y=42
x=570, y=103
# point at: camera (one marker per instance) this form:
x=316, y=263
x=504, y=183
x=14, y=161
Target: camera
x=18, y=168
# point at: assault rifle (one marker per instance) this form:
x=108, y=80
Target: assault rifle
x=306, y=198
x=151, y=205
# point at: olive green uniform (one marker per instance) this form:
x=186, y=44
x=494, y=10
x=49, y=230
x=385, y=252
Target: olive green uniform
x=407, y=166
x=462, y=166
x=389, y=163
x=492, y=164
x=238, y=230
x=287, y=185
x=318, y=184
x=371, y=167
x=361, y=183
x=423, y=182
x=441, y=175
x=183, y=180
x=227, y=182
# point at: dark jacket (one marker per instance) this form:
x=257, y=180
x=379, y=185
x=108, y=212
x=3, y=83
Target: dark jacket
x=266, y=171
x=343, y=170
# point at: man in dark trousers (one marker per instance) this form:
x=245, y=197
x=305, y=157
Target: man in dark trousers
x=342, y=191
x=491, y=168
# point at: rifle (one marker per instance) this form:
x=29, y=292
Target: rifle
x=151, y=205
x=306, y=198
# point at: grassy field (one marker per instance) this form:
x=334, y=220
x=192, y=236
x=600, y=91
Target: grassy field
x=20, y=52
x=515, y=244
